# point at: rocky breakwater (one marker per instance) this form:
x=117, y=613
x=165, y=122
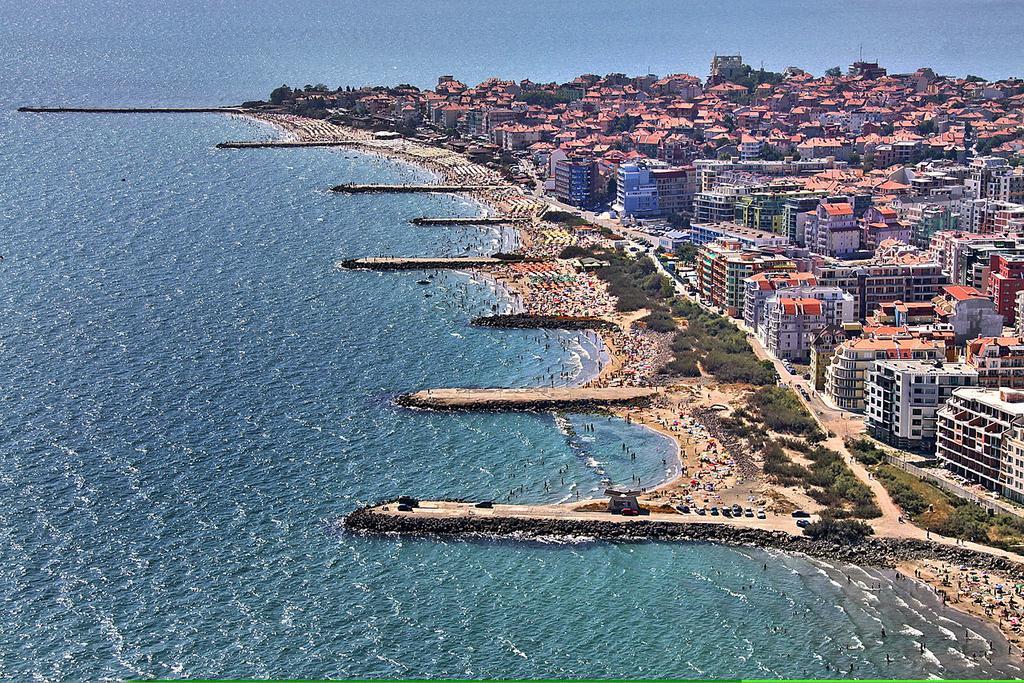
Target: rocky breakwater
x=585, y=399
x=537, y=321
x=427, y=263
x=879, y=552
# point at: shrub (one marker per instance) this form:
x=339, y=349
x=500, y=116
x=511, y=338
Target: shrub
x=564, y=217
x=780, y=408
x=865, y=451
x=721, y=347
x=659, y=321
x=573, y=251
x=838, y=530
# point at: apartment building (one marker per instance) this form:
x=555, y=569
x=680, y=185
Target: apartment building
x=792, y=319
x=902, y=399
x=764, y=208
x=998, y=360
x=718, y=205
x=908, y=277
x=1005, y=281
x=969, y=313
x=980, y=436
x=576, y=180
x=846, y=372
x=832, y=229
x=762, y=286
x=723, y=267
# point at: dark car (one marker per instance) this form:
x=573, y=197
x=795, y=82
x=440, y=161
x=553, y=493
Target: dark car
x=484, y=504
x=402, y=507
x=701, y=511
x=737, y=510
x=801, y=513
x=749, y=512
x=803, y=523
x=726, y=512
x=685, y=509
x=714, y=510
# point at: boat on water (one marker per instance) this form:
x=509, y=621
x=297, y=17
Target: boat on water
x=423, y=282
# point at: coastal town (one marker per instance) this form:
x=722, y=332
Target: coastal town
x=820, y=280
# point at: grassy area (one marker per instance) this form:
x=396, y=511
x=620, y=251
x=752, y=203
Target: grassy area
x=635, y=282
x=718, y=345
x=826, y=477
x=828, y=480
x=781, y=409
x=933, y=509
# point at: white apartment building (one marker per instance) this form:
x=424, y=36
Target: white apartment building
x=902, y=399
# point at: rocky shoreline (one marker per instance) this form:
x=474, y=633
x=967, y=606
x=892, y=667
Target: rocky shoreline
x=877, y=552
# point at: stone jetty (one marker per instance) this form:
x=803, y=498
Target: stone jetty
x=261, y=144
x=562, y=398
x=539, y=321
x=353, y=188
x=536, y=522
x=423, y=263
x=467, y=220
x=132, y=110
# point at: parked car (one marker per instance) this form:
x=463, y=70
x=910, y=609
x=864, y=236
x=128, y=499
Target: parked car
x=685, y=509
x=748, y=513
x=801, y=513
x=402, y=507
x=726, y=512
x=737, y=510
x=484, y=504
x=701, y=511
x=630, y=512
x=803, y=523
x=714, y=510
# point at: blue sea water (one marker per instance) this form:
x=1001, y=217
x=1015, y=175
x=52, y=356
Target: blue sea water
x=192, y=395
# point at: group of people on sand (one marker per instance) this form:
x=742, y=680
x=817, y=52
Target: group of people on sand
x=999, y=599
x=556, y=289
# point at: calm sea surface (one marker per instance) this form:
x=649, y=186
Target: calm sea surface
x=191, y=396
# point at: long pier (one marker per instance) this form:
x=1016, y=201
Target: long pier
x=132, y=110
x=549, y=322
x=423, y=263
x=353, y=188
x=467, y=220
x=564, y=398
x=261, y=144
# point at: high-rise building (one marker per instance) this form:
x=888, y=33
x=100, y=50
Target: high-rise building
x=845, y=374
x=902, y=399
x=980, y=436
x=792, y=318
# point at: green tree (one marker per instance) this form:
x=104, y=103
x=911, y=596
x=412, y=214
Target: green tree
x=834, y=72
x=279, y=95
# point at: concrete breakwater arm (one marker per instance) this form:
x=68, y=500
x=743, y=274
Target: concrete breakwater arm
x=132, y=110
x=523, y=522
x=567, y=398
x=467, y=220
x=259, y=144
x=550, y=322
x=351, y=188
x=423, y=263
